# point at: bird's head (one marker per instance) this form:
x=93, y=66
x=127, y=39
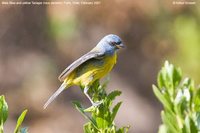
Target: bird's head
x=111, y=43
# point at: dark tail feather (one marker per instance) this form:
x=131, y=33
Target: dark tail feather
x=53, y=97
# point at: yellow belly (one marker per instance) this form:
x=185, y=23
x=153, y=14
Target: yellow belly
x=91, y=71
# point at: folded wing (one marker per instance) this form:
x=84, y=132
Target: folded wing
x=78, y=62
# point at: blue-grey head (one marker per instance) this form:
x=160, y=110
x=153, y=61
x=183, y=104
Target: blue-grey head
x=110, y=43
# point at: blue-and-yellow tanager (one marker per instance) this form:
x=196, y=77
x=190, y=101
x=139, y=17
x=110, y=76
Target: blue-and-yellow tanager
x=90, y=67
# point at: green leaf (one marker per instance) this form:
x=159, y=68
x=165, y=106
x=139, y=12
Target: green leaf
x=162, y=129
x=187, y=124
x=123, y=130
x=19, y=121
x=101, y=123
x=165, y=76
x=90, y=109
x=169, y=120
x=113, y=95
x=198, y=119
x=161, y=79
x=197, y=100
x=177, y=76
x=115, y=110
x=95, y=86
x=3, y=110
x=169, y=77
x=89, y=128
x=162, y=98
x=193, y=127
x=190, y=125
x=81, y=110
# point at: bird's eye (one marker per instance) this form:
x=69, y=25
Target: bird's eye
x=113, y=43
x=118, y=43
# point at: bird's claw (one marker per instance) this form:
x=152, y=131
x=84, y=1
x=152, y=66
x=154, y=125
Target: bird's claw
x=95, y=104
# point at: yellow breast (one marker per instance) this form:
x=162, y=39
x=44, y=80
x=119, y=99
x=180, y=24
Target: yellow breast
x=91, y=72
x=105, y=69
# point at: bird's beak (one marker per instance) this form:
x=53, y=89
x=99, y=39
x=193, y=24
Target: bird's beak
x=120, y=46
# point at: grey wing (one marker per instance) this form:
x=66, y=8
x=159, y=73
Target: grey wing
x=78, y=62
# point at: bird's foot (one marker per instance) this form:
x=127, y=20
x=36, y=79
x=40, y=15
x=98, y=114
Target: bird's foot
x=95, y=104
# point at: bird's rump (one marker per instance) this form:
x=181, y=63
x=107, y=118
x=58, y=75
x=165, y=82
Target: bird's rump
x=78, y=62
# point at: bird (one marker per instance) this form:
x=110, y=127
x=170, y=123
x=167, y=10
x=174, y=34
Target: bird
x=90, y=67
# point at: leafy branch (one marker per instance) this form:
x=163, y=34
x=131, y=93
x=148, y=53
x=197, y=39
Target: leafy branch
x=101, y=118
x=180, y=99
x=4, y=116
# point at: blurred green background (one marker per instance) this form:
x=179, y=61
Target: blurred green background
x=38, y=42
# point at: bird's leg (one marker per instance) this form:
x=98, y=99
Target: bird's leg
x=86, y=93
